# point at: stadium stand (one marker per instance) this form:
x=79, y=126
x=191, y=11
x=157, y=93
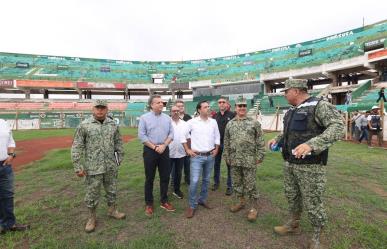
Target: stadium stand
x=257, y=74
x=223, y=69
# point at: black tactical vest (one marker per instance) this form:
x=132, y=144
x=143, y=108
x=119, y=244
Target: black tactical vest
x=299, y=127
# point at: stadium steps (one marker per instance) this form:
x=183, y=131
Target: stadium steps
x=255, y=109
x=368, y=98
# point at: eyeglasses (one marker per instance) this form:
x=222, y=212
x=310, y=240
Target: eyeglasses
x=175, y=111
x=221, y=102
x=242, y=105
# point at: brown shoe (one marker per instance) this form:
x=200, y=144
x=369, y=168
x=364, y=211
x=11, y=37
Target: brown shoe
x=113, y=213
x=149, y=211
x=205, y=205
x=189, y=213
x=252, y=215
x=239, y=206
x=292, y=226
x=91, y=222
x=19, y=227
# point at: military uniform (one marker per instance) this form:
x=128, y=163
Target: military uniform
x=98, y=142
x=243, y=147
x=98, y=151
x=318, y=124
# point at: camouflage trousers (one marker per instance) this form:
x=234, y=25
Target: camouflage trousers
x=304, y=188
x=93, y=188
x=245, y=182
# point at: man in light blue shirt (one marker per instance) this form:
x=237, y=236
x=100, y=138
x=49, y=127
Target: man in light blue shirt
x=156, y=132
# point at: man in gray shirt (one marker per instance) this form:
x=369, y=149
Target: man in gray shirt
x=156, y=132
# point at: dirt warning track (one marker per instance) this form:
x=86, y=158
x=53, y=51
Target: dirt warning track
x=29, y=151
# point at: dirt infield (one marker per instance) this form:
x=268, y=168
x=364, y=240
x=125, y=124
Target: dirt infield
x=31, y=150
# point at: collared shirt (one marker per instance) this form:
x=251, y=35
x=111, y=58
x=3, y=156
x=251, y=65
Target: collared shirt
x=176, y=148
x=204, y=134
x=363, y=121
x=357, y=119
x=155, y=128
x=222, y=121
x=6, y=139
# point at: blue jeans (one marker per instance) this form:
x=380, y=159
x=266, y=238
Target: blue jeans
x=218, y=161
x=7, y=217
x=363, y=133
x=200, y=165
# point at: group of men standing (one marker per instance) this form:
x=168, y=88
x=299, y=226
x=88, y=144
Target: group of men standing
x=310, y=127
x=367, y=124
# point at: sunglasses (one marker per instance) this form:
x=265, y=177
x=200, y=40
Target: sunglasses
x=242, y=105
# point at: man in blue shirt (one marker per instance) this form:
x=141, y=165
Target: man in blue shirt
x=156, y=132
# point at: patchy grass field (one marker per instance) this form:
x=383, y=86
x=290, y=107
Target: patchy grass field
x=50, y=198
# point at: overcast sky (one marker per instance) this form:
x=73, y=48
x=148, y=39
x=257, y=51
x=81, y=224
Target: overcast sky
x=173, y=29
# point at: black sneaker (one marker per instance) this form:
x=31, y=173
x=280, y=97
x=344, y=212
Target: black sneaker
x=229, y=191
x=178, y=194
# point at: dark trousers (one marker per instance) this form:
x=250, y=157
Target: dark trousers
x=378, y=133
x=153, y=160
x=7, y=217
x=218, y=161
x=363, y=133
x=177, y=165
x=187, y=163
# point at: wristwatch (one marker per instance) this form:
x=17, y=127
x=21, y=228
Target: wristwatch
x=13, y=154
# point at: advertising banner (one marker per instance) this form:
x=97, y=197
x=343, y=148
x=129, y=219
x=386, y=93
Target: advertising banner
x=6, y=83
x=100, y=85
x=45, y=84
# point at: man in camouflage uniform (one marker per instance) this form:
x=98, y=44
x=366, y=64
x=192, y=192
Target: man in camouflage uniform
x=244, y=150
x=97, y=153
x=310, y=127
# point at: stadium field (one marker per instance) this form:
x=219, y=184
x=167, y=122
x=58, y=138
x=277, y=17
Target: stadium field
x=49, y=197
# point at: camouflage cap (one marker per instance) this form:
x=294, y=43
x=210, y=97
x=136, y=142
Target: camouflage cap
x=100, y=102
x=295, y=83
x=241, y=101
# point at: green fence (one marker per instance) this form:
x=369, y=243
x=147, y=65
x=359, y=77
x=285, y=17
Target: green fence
x=57, y=120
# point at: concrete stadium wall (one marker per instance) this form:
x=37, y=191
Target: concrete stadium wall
x=58, y=120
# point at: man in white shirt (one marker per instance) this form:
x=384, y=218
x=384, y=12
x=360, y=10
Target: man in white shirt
x=205, y=141
x=355, y=125
x=176, y=150
x=7, y=154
